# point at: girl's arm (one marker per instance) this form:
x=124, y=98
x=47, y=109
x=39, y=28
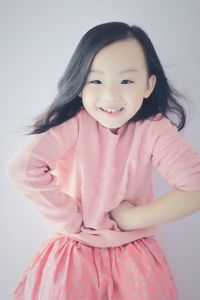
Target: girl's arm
x=30, y=168
x=171, y=207
x=179, y=164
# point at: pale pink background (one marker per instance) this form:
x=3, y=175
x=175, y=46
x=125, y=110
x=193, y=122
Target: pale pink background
x=37, y=40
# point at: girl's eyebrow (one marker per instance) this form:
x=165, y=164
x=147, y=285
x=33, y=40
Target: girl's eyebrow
x=121, y=72
x=129, y=71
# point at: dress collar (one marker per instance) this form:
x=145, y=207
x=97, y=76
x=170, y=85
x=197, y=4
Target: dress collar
x=109, y=133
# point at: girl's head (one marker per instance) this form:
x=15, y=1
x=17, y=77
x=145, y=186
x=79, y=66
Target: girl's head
x=118, y=79
x=110, y=49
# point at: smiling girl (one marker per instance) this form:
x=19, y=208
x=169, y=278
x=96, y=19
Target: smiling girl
x=86, y=167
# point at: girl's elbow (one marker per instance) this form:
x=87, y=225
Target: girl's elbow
x=14, y=168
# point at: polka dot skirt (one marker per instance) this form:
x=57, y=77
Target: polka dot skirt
x=68, y=269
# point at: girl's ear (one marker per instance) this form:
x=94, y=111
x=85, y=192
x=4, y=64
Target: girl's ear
x=150, y=86
x=80, y=95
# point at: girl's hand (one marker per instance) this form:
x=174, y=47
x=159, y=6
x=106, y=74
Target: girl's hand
x=119, y=214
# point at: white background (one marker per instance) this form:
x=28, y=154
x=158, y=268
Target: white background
x=37, y=40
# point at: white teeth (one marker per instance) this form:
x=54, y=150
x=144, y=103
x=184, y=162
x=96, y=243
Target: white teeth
x=111, y=110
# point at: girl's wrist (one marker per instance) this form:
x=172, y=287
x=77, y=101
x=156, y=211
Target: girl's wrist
x=125, y=216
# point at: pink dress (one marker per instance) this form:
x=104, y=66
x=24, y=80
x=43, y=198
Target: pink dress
x=68, y=269
x=75, y=174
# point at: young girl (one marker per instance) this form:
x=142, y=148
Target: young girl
x=86, y=167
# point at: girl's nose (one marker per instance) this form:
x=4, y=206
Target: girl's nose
x=110, y=94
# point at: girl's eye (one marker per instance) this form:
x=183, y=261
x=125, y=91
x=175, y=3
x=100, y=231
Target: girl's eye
x=95, y=81
x=126, y=81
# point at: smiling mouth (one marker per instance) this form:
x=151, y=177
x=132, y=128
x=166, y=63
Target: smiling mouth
x=111, y=110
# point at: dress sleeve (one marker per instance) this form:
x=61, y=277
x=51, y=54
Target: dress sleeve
x=29, y=169
x=176, y=160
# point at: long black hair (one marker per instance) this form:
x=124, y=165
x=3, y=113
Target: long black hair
x=67, y=103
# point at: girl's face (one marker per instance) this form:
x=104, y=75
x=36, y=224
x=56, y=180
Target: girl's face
x=117, y=79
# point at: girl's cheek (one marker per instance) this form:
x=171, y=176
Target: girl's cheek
x=90, y=91
x=94, y=94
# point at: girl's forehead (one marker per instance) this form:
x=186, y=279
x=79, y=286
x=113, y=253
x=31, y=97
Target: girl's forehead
x=124, y=53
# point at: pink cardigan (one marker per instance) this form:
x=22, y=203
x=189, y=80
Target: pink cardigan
x=77, y=172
